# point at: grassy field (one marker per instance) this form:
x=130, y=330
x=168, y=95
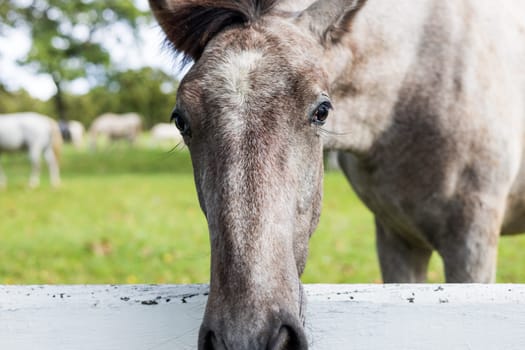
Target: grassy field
x=131, y=216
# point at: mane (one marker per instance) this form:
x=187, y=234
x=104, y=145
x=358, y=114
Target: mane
x=190, y=24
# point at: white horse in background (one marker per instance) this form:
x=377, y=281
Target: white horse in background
x=115, y=127
x=77, y=132
x=164, y=132
x=38, y=134
x=72, y=132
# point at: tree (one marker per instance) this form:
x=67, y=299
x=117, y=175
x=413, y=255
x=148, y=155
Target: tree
x=149, y=92
x=21, y=101
x=67, y=37
x=146, y=91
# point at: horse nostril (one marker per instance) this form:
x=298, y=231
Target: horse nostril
x=288, y=338
x=207, y=340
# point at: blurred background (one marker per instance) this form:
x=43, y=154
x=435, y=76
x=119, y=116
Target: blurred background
x=127, y=210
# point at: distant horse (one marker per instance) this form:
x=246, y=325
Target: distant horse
x=72, y=131
x=115, y=127
x=424, y=99
x=38, y=134
x=164, y=132
x=77, y=131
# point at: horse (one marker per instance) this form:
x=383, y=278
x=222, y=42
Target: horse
x=115, y=127
x=164, y=132
x=72, y=131
x=38, y=134
x=77, y=131
x=424, y=102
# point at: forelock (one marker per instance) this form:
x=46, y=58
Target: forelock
x=190, y=24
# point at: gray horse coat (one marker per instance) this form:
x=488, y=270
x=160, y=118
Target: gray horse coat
x=434, y=112
x=426, y=102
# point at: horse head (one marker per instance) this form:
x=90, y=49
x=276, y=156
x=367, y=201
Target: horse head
x=252, y=110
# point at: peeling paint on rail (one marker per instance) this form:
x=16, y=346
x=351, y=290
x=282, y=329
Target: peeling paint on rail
x=105, y=317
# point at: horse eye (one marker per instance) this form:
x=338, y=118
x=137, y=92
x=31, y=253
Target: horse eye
x=321, y=113
x=180, y=123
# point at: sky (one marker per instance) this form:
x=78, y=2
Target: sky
x=128, y=55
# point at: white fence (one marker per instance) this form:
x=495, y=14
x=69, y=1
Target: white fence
x=144, y=317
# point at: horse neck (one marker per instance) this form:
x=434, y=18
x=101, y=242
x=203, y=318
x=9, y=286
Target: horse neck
x=377, y=57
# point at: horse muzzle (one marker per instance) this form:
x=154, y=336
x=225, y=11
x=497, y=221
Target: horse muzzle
x=284, y=332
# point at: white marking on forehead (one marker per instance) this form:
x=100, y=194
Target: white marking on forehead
x=235, y=71
x=233, y=75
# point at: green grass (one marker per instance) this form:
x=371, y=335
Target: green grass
x=132, y=216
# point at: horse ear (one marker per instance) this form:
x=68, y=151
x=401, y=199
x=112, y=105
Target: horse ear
x=173, y=17
x=330, y=19
x=190, y=24
x=162, y=11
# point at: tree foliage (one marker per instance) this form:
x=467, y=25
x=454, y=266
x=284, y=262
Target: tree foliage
x=21, y=101
x=147, y=91
x=67, y=37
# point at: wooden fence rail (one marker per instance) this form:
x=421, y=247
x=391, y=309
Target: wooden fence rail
x=161, y=317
